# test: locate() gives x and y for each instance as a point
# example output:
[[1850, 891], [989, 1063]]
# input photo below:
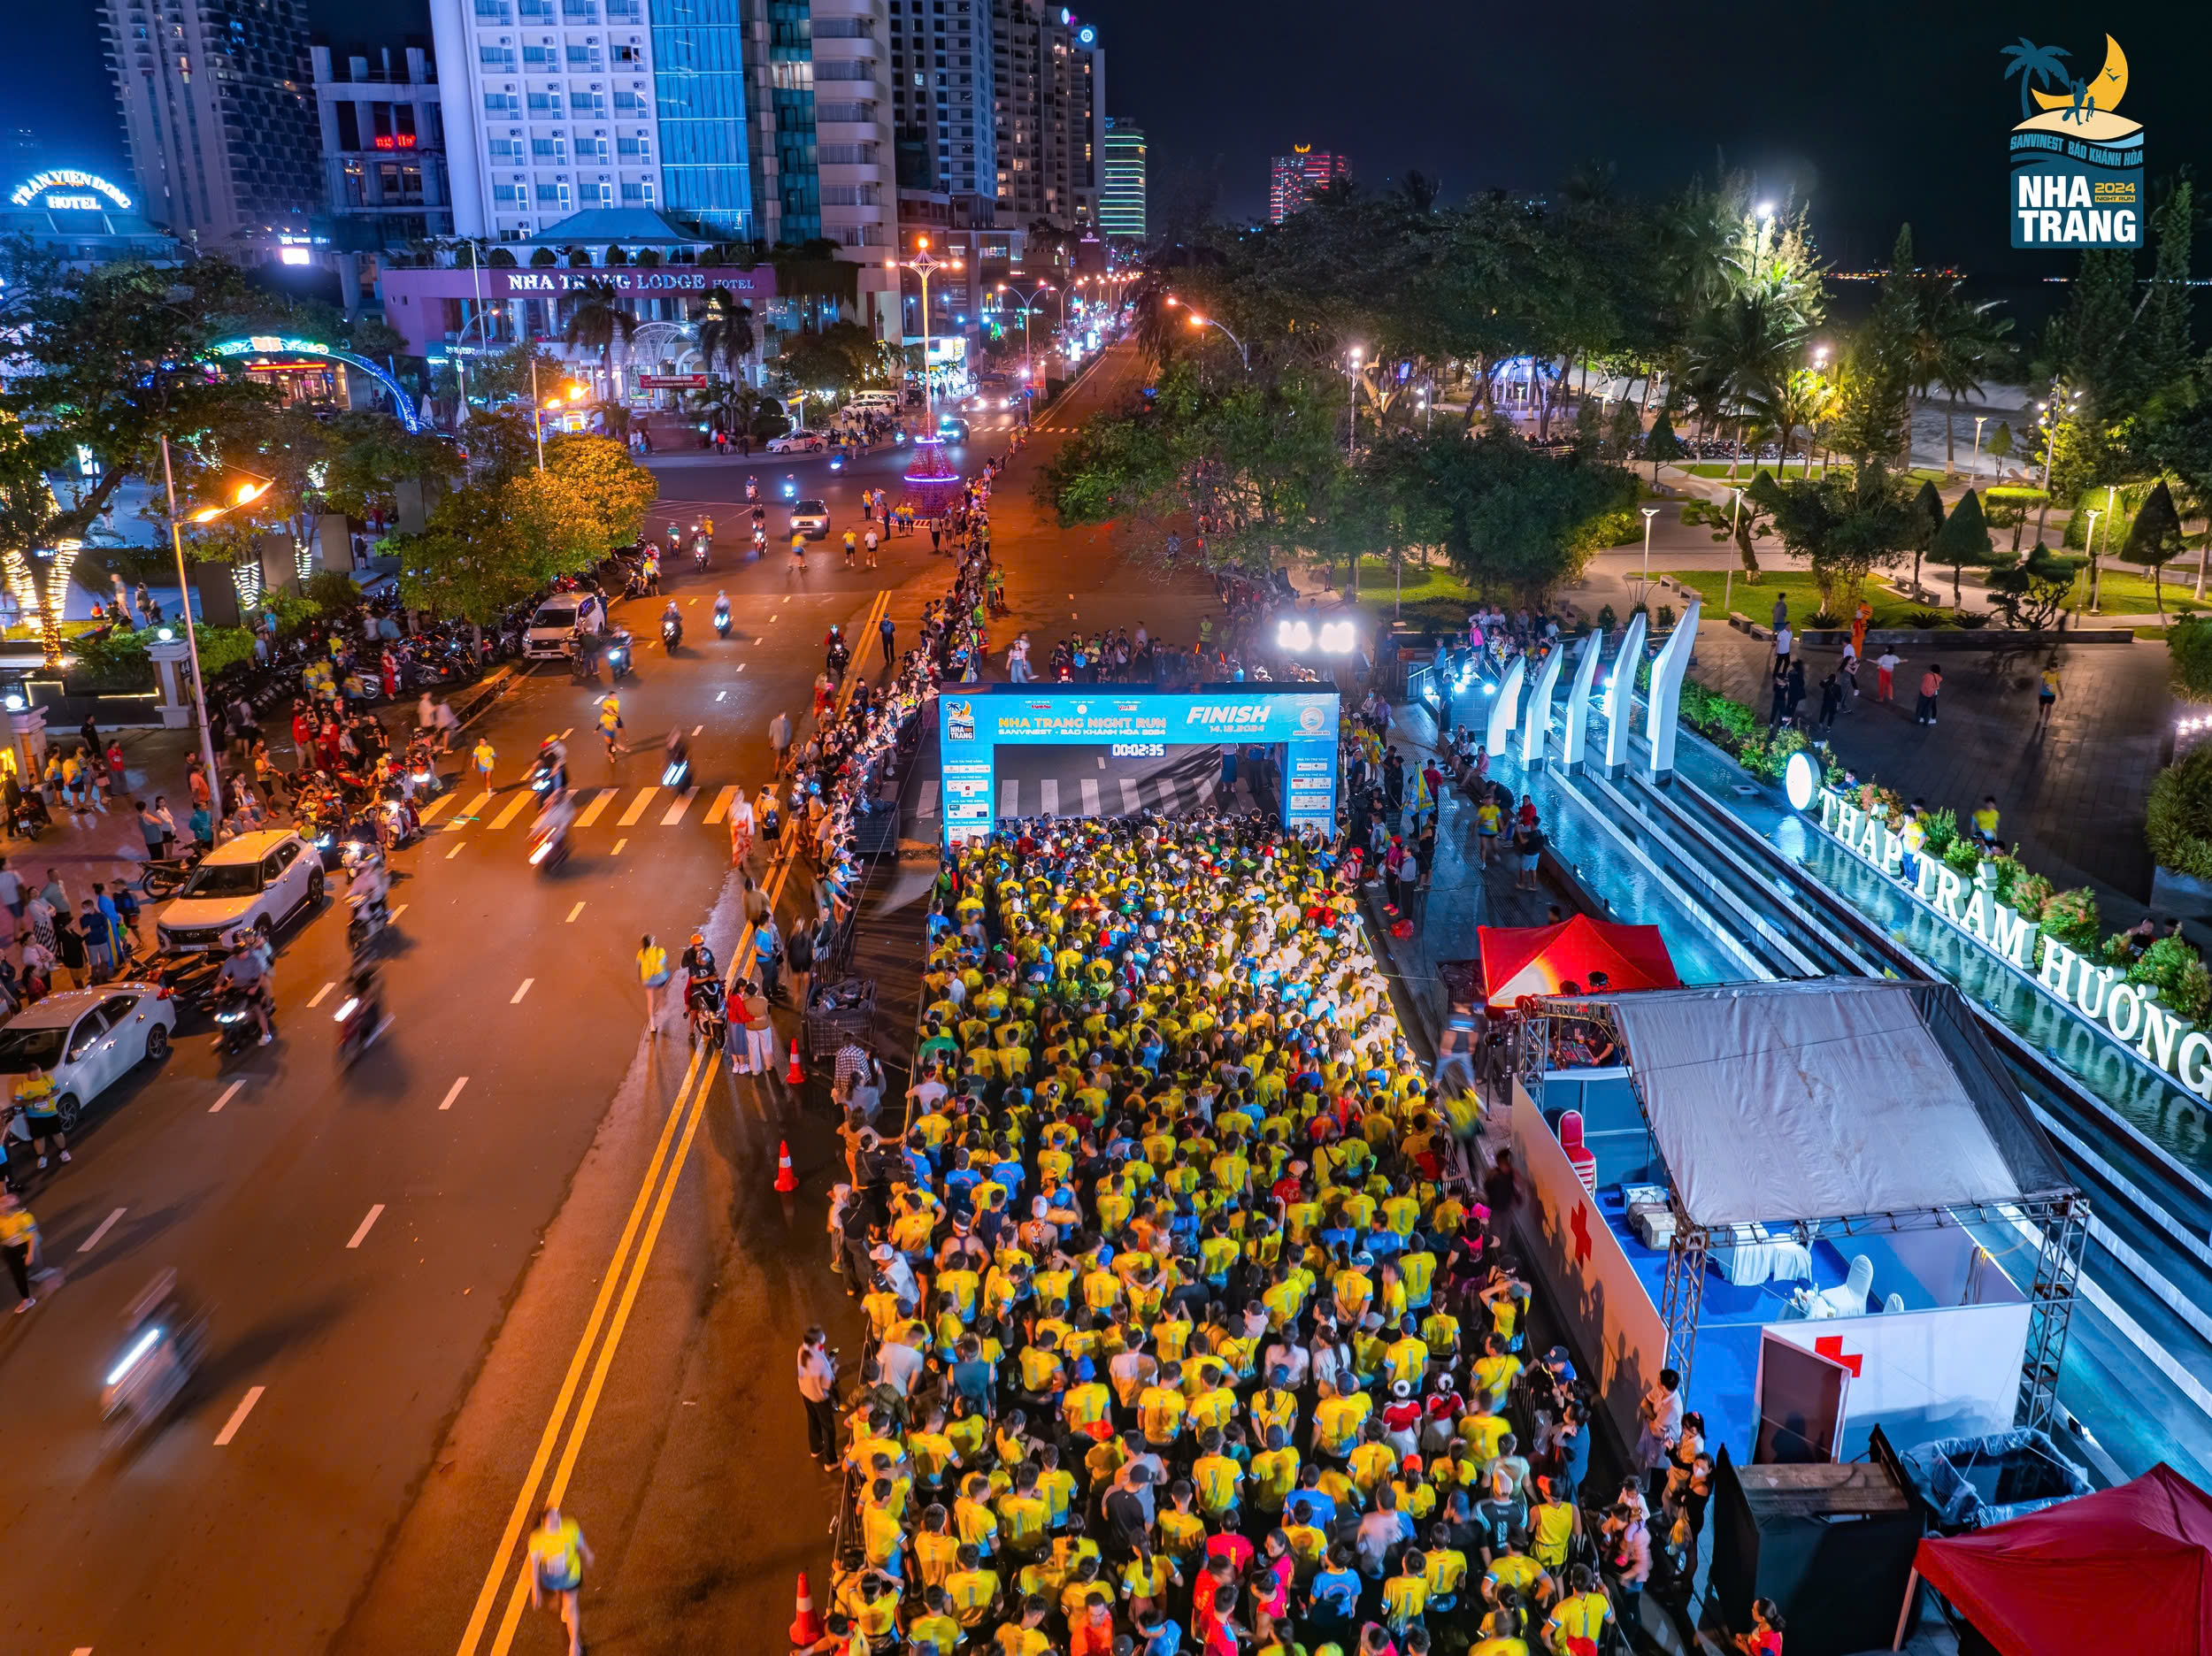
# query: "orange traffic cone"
[[787, 1181], [806, 1626], [795, 1075]]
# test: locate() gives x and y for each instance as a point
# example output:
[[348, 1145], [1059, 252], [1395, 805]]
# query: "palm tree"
[[1955, 343], [725, 330], [1746, 346], [2030, 61], [1800, 398], [598, 320]]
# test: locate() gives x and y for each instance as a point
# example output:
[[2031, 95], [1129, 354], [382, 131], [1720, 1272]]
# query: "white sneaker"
[[42, 1162], [65, 1155], [265, 1039], [24, 1305]]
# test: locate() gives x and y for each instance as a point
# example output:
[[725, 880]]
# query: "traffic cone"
[[795, 1075], [806, 1626], [787, 1181]]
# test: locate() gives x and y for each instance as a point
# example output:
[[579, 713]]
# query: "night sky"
[[1873, 109]]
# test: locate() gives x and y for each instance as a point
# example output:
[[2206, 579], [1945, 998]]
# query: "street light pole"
[[1029, 369], [1975, 466], [184, 596], [1351, 408], [1650, 512], [537, 413]]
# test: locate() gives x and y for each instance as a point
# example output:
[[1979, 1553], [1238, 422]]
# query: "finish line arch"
[[276, 345]]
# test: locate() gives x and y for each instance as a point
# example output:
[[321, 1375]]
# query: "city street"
[[366, 1238]]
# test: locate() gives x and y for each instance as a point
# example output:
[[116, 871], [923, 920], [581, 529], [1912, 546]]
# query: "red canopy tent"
[[1519, 961], [2127, 1570]]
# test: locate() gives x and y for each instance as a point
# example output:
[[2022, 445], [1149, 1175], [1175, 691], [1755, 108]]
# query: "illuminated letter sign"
[[67, 189]]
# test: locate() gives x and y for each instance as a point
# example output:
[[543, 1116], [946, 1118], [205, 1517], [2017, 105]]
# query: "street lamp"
[[1029, 373], [248, 493], [2048, 420], [1351, 406], [1650, 512], [926, 264], [1975, 466], [539, 407], [1198, 321]]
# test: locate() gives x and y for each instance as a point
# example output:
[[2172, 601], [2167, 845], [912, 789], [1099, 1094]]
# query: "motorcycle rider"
[[698, 962], [752, 486], [619, 655], [247, 970], [837, 654], [370, 885], [652, 571], [552, 764], [760, 538], [676, 758], [721, 612], [551, 827], [672, 625]]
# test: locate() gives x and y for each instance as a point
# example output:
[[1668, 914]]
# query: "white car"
[[551, 633], [88, 1039], [798, 442], [810, 518], [258, 880]]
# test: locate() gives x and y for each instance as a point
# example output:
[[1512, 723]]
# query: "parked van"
[[552, 628]]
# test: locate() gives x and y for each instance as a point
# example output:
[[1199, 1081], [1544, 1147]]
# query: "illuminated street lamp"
[[1975, 466], [1028, 305], [539, 410], [1198, 321], [931, 469], [1351, 406], [247, 493], [1651, 512]]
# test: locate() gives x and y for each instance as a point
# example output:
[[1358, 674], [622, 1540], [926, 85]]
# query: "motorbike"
[[837, 660], [365, 929], [165, 876], [671, 633], [790, 486], [760, 542], [722, 622], [545, 776], [162, 1351], [235, 1031], [699, 551], [752, 488], [618, 662], [549, 847], [676, 772], [709, 1018], [360, 1019], [837, 462]]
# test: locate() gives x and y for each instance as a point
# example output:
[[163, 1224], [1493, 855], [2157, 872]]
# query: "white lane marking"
[[1050, 788], [741, 666], [570, 731], [590, 815], [1090, 796], [362, 1230], [81, 1649], [106, 1225], [697, 729], [229, 1093], [513, 807], [438, 808], [573, 913], [637, 807], [453, 1093], [1010, 797], [459, 846], [319, 994], [720, 808], [1129, 803], [516, 999], [617, 847], [475, 807], [238, 1415], [675, 812], [398, 912], [929, 797], [719, 695]]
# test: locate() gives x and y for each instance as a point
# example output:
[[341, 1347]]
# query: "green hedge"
[[119, 665], [2177, 821]]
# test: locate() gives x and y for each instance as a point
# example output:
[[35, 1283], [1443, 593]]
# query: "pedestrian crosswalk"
[[1125, 796], [516, 806]]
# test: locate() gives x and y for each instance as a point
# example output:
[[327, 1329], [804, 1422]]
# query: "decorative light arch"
[[272, 345]]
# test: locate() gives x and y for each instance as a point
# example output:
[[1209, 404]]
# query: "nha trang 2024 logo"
[[2076, 161]]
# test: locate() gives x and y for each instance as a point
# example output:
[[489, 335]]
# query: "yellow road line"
[[690, 1104], [519, 1518]]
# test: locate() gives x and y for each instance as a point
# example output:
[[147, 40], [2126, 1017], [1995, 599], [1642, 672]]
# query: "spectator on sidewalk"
[[1931, 688]]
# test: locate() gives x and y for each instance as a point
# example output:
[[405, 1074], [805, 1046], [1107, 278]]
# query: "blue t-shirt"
[[972, 1380], [1166, 1641], [1339, 1589]]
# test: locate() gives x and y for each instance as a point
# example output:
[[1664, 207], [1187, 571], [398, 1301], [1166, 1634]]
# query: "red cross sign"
[[1831, 1346]]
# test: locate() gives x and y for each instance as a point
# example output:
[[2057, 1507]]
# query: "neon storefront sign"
[[68, 190]]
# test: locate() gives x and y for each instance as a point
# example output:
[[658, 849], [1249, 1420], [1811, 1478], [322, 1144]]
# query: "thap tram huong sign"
[[2121, 1011]]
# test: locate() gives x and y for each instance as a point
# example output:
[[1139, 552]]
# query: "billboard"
[[1114, 749]]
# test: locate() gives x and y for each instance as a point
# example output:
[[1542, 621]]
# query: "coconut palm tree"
[[597, 321], [1801, 398], [1747, 344], [726, 331], [1956, 343], [2030, 61]]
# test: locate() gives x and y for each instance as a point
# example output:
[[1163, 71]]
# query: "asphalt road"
[[407, 1261]]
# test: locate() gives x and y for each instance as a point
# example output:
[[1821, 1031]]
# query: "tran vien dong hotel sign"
[[2127, 1014]]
